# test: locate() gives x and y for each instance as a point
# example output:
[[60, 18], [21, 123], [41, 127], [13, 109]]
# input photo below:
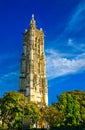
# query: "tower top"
[[32, 22], [33, 16]]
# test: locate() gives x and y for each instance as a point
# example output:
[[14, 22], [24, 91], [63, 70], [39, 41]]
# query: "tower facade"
[[33, 82]]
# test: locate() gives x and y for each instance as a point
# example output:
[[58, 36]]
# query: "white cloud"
[[70, 42], [75, 45], [59, 66], [8, 76], [77, 19]]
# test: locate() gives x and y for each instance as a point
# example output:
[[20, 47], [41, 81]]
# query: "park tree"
[[15, 107], [12, 109], [80, 97], [72, 104], [31, 113], [53, 116]]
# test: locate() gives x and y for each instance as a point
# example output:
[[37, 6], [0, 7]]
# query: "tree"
[[72, 104], [80, 97], [15, 107], [12, 109], [32, 113], [53, 116]]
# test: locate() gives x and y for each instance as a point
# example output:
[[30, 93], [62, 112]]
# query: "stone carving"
[[34, 83]]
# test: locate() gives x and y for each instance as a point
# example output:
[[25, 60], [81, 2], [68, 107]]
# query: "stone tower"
[[33, 82]]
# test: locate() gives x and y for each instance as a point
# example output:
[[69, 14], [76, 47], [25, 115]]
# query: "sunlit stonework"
[[33, 82]]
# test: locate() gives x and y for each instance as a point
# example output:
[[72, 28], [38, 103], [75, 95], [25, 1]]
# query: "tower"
[[33, 82]]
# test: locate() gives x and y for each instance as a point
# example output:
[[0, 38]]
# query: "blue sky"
[[63, 23]]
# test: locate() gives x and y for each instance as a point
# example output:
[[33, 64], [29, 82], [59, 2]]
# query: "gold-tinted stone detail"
[[33, 82]]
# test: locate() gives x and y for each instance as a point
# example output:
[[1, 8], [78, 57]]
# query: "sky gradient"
[[63, 23]]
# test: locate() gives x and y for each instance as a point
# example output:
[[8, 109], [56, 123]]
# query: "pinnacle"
[[33, 22]]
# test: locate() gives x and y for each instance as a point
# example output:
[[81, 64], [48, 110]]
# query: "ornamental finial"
[[33, 22], [33, 16]]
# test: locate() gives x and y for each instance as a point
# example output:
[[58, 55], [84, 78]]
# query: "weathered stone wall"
[[33, 82]]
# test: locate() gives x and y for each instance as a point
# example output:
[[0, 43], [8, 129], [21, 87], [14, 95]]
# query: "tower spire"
[[32, 22], [32, 16]]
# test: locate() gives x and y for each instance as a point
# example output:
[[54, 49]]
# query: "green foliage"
[[12, 109], [68, 112], [53, 116], [31, 111], [71, 104], [15, 107]]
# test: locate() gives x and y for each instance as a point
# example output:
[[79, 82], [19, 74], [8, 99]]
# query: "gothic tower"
[[33, 82]]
